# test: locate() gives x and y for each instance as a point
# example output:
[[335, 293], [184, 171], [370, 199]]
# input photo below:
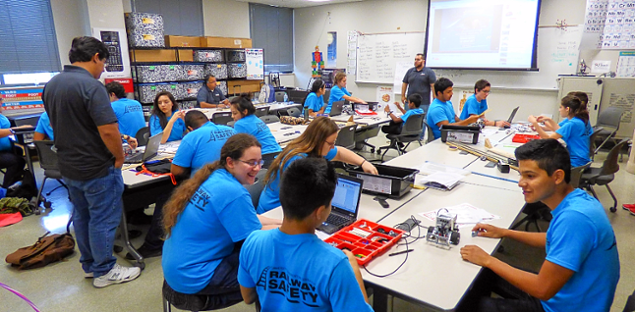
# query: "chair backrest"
[[231, 124], [294, 112], [576, 174], [48, 157], [430, 133], [262, 111], [346, 137], [630, 303], [280, 96], [592, 138], [610, 118], [610, 165], [270, 119], [326, 96], [142, 136], [222, 118], [413, 126], [256, 188]]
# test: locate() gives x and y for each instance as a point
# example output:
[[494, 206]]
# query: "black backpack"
[[27, 189]]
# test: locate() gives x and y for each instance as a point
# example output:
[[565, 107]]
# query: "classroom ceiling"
[[298, 3]]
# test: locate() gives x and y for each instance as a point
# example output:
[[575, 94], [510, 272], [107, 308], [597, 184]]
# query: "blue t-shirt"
[[314, 102], [337, 94], [129, 115], [218, 215], [256, 127], [588, 126], [44, 126], [438, 112], [202, 146], [414, 111], [298, 273], [5, 143], [177, 129], [270, 196], [576, 135], [580, 238], [473, 107]]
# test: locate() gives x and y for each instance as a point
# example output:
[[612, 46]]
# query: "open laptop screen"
[[347, 194]]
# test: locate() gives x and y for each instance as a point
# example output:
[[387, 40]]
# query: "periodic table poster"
[[614, 21]]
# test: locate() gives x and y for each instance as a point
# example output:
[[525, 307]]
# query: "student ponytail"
[[317, 85], [576, 108], [234, 148]]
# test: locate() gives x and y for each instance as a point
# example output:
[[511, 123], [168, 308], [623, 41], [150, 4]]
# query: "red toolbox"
[[365, 239], [524, 138]]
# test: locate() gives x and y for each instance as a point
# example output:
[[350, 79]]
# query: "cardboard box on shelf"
[[183, 41], [224, 42], [243, 86], [159, 55], [186, 55]]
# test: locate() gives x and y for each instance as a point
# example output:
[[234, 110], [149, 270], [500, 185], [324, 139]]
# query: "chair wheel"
[[141, 265], [37, 211], [613, 209], [117, 249], [372, 150], [47, 204]]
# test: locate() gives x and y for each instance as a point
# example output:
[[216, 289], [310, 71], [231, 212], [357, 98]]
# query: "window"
[[272, 30], [27, 37], [180, 17]]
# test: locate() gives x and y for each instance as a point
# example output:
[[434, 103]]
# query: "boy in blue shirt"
[[43, 130], [129, 112], [441, 111], [581, 269], [414, 103], [290, 268], [476, 104]]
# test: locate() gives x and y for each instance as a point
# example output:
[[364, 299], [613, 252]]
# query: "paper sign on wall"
[[600, 67], [255, 64]]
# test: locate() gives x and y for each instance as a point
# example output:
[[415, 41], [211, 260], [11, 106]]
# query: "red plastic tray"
[[365, 248], [524, 138]]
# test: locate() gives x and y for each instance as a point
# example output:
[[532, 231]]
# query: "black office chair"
[[187, 302], [410, 132], [346, 137], [280, 96], [430, 134], [48, 162], [142, 136], [270, 119], [592, 138], [262, 111], [231, 124], [605, 174], [609, 119], [268, 159], [630, 303], [222, 118], [256, 188], [294, 112]]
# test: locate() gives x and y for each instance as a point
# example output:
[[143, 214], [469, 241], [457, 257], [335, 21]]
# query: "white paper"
[[466, 214], [430, 168], [446, 179], [600, 67]]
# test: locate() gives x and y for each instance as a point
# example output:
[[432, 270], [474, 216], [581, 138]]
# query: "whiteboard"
[[377, 55], [558, 53]]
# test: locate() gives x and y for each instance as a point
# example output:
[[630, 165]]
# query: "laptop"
[[345, 204], [511, 117], [336, 109], [152, 148]]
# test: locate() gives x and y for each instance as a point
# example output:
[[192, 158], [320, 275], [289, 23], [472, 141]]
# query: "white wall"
[[226, 18], [71, 20]]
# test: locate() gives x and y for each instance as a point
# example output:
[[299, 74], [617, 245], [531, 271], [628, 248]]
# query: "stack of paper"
[[442, 180], [467, 215], [429, 168]]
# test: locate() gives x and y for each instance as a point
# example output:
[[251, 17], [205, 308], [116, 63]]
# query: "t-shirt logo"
[[220, 135], [132, 109], [295, 289], [200, 199]]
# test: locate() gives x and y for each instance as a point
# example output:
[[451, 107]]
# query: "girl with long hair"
[[575, 132], [167, 118], [339, 92], [246, 122], [318, 140], [314, 101], [206, 221]]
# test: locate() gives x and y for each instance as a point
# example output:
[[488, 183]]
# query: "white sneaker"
[[88, 275], [118, 274]]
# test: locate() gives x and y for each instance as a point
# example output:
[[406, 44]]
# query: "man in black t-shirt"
[[420, 80], [90, 156]]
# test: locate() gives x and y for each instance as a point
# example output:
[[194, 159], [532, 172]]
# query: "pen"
[[400, 252]]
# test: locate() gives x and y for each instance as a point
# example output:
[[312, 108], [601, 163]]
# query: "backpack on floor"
[[47, 249]]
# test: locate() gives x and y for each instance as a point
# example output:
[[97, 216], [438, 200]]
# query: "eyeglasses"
[[253, 163], [486, 91], [330, 144]]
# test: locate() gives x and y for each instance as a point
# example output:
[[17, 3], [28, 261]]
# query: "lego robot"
[[446, 231]]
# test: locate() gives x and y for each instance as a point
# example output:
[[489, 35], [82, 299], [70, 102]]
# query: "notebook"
[[345, 204], [152, 148]]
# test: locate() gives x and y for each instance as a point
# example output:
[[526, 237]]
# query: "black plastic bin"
[[463, 134], [393, 182]]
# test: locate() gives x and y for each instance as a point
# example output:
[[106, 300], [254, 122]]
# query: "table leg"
[[380, 299], [123, 234]]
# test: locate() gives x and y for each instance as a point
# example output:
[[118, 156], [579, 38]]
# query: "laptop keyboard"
[[337, 220], [135, 158]]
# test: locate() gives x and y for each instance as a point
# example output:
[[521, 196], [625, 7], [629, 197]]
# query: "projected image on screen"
[[482, 34], [474, 30]]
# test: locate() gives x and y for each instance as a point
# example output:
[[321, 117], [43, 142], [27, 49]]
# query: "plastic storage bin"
[[217, 70], [237, 70], [190, 89], [463, 134], [236, 56], [193, 72], [222, 85], [393, 182], [145, 30], [208, 56], [378, 240]]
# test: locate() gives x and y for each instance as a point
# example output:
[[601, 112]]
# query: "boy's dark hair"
[[415, 99], [481, 84], [243, 102], [195, 119], [549, 154], [84, 48], [117, 89], [442, 84], [306, 185]]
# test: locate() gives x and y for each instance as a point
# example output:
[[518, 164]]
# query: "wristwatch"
[[123, 137]]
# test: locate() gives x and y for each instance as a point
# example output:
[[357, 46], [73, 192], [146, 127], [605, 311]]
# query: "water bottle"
[[286, 97], [306, 113]]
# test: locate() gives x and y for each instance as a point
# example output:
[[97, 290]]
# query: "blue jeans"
[[98, 206]]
